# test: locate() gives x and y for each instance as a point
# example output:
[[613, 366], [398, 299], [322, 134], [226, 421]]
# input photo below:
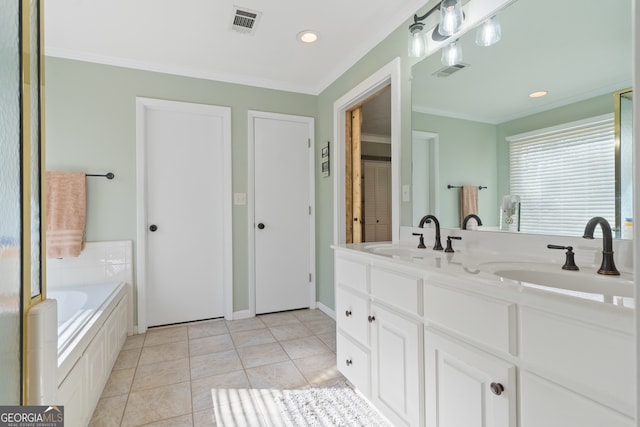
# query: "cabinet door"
[[396, 362], [544, 403], [463, 386]]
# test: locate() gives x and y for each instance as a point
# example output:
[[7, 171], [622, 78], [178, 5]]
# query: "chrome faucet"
[[426, 220], [607, 267], [468, 217]]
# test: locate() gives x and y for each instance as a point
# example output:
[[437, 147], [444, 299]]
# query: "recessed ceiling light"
[[308, 36], [538, 94]]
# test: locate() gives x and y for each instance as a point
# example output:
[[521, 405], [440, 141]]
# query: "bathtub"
[[92, 327], [82, 311]]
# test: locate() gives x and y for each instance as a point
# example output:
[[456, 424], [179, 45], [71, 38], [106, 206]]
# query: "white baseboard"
[[244, 314], [326, 310]]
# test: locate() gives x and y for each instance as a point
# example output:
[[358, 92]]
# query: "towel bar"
[[480, 187], [108, 175]]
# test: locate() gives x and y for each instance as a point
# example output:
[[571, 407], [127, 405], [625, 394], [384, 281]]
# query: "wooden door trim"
[[142, 106], [251, 116]]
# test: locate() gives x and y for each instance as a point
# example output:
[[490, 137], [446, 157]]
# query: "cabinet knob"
[[497, 388], [348, 362], [371, 318], [347, 313]]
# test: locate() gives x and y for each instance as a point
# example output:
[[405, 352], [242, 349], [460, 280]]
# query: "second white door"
[[283, 194]]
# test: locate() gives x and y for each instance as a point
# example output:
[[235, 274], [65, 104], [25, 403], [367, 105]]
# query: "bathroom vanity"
[[444, 339]]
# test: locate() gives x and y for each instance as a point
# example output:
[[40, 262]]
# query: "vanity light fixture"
[[538, 94], [452, 54], [308, 36], [489, 33], [451, 17], [418, 37]]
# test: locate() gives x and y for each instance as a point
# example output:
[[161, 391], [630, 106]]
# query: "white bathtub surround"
[[75, 335], [99, 262], [43, 347]]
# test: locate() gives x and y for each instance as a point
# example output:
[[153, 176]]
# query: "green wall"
[[91, 126], [467, 156]]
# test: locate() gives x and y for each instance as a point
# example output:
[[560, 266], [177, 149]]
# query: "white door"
[[187, 195], [377, 200], [283, 221]]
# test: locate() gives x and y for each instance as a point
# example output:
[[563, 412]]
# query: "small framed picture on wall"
[[325, 160]]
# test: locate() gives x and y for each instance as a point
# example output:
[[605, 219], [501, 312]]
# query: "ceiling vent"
[[448, 70], [245, 20]]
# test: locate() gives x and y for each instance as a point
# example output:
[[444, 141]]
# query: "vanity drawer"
[[353, 362], [398, 289], [351, 273], [596, 361], [352, 311], [483, 319]]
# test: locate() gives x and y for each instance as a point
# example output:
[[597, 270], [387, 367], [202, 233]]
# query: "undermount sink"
[[552, 275], [395, 250]]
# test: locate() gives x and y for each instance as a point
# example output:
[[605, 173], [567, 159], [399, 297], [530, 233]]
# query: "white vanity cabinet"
[[440, 347], [465, 386], [379, 337]]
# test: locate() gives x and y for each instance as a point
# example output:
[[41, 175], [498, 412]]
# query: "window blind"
[[564, 176]]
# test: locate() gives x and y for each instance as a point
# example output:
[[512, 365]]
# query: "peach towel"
[[468, 201], [66, 199]]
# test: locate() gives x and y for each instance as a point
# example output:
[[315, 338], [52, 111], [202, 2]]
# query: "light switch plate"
[[239, 198], [405, 193]]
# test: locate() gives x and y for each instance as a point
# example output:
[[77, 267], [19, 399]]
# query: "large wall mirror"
[[464, 116]]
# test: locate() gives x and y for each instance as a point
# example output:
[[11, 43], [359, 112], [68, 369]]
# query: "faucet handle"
[[449, 248], [421, 244], [569, 263]]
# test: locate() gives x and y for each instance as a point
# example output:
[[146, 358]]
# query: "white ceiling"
[[569, 48], [194, 37]]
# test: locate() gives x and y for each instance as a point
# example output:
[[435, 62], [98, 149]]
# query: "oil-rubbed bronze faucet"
[[607, 267], [468, 217], [426, 220]]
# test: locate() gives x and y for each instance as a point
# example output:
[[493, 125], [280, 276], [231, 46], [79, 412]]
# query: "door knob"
[[153, 227], [261, 226], [497, 388]]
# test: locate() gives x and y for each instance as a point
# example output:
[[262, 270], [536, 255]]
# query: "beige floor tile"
[[277, 319], [207, 328], [329, 339], [128, 359], [166, 335], [119, 382], [252, 337], [303, 347], [164, 352], [277, 375], [290, 331], [318, 369], [146, 406], [214, 364], [210, 344], [321, 326], [182, 421], [204, 418], [133, 341], [237, 407], [108, 412], [161, 374], [245, 324], [310, 315], [262, 354], [201, 388]]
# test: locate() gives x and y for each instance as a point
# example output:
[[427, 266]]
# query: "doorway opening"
[[368, 169], [387, 78]]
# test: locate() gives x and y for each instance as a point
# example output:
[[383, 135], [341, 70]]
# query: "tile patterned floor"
[[165, 377]]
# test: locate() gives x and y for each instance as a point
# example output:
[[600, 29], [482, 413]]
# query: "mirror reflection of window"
[[564, 176]]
